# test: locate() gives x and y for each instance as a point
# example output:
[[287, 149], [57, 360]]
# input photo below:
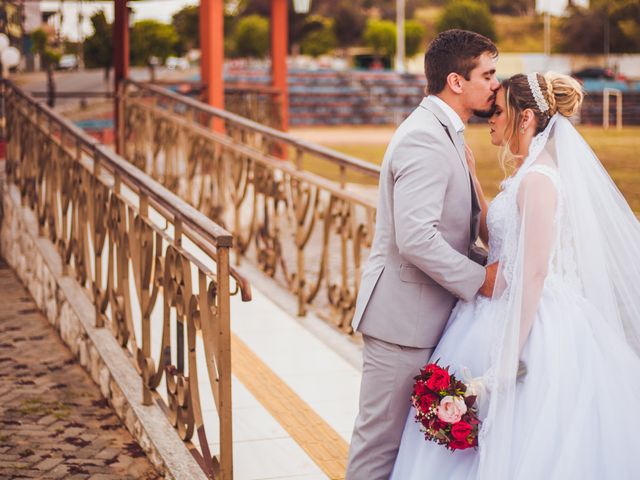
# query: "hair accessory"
[[532, 78]]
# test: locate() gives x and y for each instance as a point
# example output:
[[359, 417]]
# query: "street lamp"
[[301, 6], [9, 56]]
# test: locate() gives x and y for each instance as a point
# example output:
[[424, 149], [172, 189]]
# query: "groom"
[[423, 256]]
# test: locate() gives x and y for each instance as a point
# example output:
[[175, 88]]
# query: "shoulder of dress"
[[546, 170]]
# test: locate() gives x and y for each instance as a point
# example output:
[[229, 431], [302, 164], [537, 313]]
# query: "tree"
[[468, 15], [319, 40], [98, 47], [381, 36], [42, 44], [413, 37], [186, 23], [348, 24], [622, 17], [511, 7], [252, 36], [150, 38]]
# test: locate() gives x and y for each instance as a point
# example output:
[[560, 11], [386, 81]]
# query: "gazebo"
[[212, 50]]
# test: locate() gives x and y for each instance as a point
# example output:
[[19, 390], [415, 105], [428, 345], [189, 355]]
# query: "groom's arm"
[[421, 174]]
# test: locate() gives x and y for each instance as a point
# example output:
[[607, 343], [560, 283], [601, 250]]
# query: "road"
[[91, 80]]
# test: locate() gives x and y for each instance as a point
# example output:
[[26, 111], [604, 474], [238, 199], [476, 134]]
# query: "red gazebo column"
[[121, 66], [212, 54], [204, 44], [279, 40]]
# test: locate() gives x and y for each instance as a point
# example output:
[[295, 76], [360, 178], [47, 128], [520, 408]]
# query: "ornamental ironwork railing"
[[310, 232], [156, 269]]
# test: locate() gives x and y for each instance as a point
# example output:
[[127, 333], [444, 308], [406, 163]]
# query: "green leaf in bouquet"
[[441, 435]]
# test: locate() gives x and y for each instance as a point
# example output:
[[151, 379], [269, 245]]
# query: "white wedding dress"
[[576, 412]]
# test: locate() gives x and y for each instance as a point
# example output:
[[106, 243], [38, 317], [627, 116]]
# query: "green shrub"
[[320, 40], [413, 37], [468, 15], [381, 36], [251, 37]]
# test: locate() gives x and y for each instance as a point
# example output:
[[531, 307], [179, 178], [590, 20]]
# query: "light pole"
[[400, 36], [547, 34]]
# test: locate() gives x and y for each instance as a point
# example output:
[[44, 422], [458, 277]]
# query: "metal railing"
[[308, 232], [257, 102], [156, 269]]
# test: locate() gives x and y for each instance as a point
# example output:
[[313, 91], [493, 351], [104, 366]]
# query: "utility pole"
[[400, 36], [547, 34]]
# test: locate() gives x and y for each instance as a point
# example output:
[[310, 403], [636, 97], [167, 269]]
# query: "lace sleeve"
[[537, 202]]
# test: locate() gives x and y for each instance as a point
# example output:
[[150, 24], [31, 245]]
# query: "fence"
[[156, 269], [307, 232]]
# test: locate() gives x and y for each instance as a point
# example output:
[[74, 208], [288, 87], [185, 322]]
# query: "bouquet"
[[446, 408]]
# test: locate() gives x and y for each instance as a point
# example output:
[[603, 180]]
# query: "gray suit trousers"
[[387, 382]]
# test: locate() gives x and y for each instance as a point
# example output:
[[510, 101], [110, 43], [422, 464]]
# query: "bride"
[[567, 305]]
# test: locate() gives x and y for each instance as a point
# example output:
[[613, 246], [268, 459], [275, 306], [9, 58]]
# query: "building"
[[558, 7]]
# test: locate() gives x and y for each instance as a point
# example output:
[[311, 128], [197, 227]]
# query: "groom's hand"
[[489, 280]]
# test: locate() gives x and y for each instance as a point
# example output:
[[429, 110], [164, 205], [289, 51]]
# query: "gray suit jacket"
[[426, 225]]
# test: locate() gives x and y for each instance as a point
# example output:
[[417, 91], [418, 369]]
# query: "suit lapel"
[[443, 118], [448, 127]]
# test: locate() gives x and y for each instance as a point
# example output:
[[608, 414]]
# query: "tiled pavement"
[[53, 420]]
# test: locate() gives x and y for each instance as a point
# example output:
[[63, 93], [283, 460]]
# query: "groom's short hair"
[[454, 51]]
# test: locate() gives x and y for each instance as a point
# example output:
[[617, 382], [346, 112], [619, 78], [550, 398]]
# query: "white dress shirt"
[[456, 121]]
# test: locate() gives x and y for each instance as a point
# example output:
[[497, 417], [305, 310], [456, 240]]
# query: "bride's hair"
[[562, 93]]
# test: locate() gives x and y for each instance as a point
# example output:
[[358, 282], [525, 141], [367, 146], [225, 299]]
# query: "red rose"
[[459, 445], [427, 400], [461, 430], [420, 388], [439, 380], [431, 367]]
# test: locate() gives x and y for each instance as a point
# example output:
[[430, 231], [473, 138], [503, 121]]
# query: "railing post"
[[3, 120], [120, 126], [144, 317], [224, 343]]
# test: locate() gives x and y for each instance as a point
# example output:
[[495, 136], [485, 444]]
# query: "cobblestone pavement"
[[53, 421]]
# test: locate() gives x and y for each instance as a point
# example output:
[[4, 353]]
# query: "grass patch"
[[618, 151], [36, 406]]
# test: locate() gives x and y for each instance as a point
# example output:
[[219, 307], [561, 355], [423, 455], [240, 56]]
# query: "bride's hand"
[[471, 160]]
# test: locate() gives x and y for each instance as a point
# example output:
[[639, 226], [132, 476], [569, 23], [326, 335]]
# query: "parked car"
[[597, 73], [68, 62], [176, 63]]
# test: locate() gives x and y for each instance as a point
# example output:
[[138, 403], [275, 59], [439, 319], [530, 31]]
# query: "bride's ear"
[[527, 119]]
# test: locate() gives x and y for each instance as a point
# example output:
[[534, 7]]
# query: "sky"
[[161, 10]]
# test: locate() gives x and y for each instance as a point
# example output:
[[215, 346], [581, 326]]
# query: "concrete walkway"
[[53, 421]]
